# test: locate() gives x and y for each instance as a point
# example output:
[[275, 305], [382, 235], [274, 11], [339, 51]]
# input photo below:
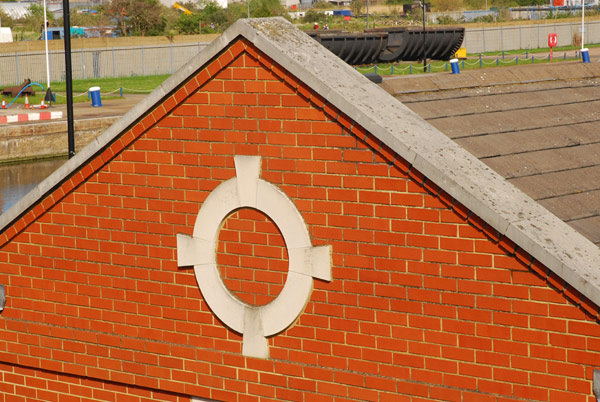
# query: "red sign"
[[552, 40], [558, 3]]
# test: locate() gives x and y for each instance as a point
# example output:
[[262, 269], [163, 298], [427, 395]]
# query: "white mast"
[[46, 40], [582, 25]]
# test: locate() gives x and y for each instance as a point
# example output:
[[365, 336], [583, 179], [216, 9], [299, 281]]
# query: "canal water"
[[18, 179]]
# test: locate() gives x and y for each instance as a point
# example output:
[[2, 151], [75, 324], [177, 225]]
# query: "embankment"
[[47, 140]]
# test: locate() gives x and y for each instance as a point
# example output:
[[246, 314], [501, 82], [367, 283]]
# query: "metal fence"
[[520, 13], [166, 59], [502, 38], [97, 63], [459, 16]]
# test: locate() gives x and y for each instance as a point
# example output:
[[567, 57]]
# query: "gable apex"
[[442, 161]]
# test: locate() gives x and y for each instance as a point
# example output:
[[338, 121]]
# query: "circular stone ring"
[[255, 323]]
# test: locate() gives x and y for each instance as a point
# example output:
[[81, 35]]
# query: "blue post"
[[565, 56], [517, 60], [497, 61], [410, 68], [94, 93], [429, 68], [454, 64], [463, 63], [392, 69], [503, 55], [526, 54], [121, 91], [532, 59], [480, 62], [585, 55], [375, 69]]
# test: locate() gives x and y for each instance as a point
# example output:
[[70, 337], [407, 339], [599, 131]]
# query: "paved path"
[[84, 110]]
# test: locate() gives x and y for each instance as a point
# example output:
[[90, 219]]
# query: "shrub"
[[312, 16]]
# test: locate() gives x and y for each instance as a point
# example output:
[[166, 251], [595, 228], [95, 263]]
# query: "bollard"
[[375, 69], [94, 93], [497, 62], [532, 59], [454, 65], [503, 55], [446, 67], [585, 55], [392, 69], [429, 68], [526, 54], [565, 56], [121, 91], [517, 60], [463, 64], [410, 69], [480, 63]]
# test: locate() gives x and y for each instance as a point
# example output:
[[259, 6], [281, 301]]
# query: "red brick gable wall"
[[252, 257], [426, 302]]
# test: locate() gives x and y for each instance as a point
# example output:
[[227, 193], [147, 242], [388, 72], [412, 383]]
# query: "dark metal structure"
[[353, 48], [69, 79], [394, 44], [24, 88]]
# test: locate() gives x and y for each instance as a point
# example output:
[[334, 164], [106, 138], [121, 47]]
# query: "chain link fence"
[[166, 59], [97, 63], [498, 39]]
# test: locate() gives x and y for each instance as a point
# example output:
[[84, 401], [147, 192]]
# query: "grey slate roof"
[[542, 136], [450, 166]]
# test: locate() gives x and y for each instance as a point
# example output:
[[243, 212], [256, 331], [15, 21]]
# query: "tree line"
[[149, 17]]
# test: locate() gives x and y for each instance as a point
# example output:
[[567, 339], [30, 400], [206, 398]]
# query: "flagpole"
[[46, 40], [582, 24]]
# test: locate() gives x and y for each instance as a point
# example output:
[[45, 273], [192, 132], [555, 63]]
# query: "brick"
[[419, 293]]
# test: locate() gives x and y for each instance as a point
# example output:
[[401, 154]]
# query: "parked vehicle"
[[81, 32]]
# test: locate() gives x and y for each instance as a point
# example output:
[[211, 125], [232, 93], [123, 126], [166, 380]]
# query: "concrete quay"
[[22, 137]]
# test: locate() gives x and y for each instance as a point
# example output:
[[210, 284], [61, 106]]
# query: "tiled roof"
[[542, 136]]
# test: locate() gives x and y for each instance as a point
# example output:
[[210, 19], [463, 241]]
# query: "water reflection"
[[18, 179]]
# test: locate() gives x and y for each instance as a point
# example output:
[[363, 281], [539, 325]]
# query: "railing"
[[479, 62]]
